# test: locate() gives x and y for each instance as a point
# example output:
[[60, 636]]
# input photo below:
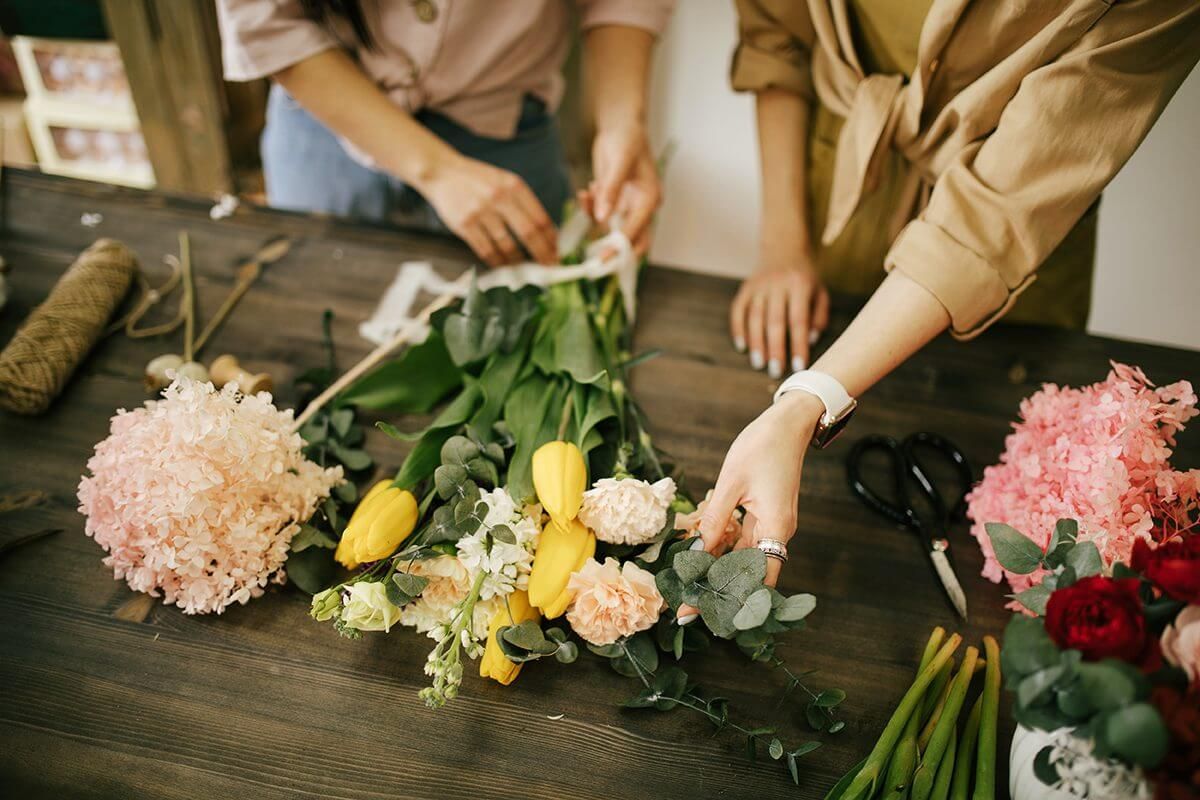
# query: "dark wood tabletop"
[[104, 695]]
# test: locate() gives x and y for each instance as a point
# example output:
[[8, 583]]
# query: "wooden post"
[[172, 58]]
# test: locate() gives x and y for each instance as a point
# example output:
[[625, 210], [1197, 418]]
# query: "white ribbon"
[[610, 255]]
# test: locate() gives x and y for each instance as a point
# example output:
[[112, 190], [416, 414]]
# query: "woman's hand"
[[490, 209], [761, 474], [625, 183], [780, 310]]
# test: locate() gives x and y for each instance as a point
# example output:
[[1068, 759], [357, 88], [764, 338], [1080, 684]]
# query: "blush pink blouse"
[[471, 60]]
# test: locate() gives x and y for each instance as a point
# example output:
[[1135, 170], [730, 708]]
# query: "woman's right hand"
[[490, 209], [780, 310]]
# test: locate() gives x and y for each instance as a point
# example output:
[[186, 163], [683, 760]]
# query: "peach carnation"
[[196, 497], [612, 600], [690, 523]]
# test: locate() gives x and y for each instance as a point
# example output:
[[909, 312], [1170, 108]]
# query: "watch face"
[[827, 432]]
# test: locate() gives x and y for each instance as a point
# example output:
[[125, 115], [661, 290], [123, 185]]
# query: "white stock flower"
[[627, 511], [1084, 775], [505, 565]]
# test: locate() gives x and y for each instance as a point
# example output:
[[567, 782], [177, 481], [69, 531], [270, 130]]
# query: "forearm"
[[617, 68], [783, 119], [331, 87], [899, 319]]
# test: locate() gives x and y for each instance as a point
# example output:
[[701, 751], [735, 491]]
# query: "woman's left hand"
[[761, 474], [625, 183]]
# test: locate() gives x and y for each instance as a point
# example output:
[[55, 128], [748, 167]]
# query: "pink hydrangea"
[[1100, 455], [196, 496]]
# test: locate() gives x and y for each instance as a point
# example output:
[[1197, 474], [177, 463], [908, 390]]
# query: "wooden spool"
[[226, 369]]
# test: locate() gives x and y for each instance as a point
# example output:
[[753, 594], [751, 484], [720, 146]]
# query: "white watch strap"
[[828, 390]]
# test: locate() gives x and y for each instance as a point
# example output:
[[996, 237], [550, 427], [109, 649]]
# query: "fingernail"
[[687, 619], [756, 359], [774, 368], [739, 344], [798, 364], [698, 544], [813, 335]]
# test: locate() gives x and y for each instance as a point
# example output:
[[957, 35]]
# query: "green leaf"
[[447, 479], [341, 419], [775, 749], [838, 792], [410, 585], [426, 455], [1034, 688], [346, 492], [1034, 598], [354, 460], [496, 381], [670, 587], [830, 698], [527, 635], [575, 349], [1065, 530], [308, 536], [796, 608], [718, 611], [1084, 558], [411, 384], [754, 611], [474, 331], [311, 569], [1015, 551], [503, 533], [738, 573], [793, 768], [1027, 647], [816, 717], [1106, 685], [1137, 733], [567, 652], [692, 565], [669, 684], [532, 411], [607, 650]]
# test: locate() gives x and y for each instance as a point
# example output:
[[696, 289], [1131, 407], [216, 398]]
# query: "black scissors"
[[906, 464]]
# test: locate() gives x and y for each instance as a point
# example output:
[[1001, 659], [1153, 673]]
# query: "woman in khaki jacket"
[[945, 155]]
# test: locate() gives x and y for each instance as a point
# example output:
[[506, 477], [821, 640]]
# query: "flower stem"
[[985, 767]]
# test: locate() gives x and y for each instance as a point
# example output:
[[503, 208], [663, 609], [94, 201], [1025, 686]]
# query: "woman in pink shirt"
[[440, 112]]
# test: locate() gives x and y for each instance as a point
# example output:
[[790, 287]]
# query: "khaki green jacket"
[[1015, 118]]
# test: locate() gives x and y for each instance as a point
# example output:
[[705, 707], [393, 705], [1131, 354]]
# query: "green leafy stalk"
[[945, 771], [965, 758], [943, 734], [985, 766], [904, 760], [863, 785]]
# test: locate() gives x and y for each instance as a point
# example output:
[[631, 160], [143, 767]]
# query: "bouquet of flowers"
[[534, 511], [1110, 663], [1099, 455]]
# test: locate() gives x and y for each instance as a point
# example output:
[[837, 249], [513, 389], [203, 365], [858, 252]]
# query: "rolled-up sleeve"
[[774, 48], [262, 37], [1007, 201], [650, 15]]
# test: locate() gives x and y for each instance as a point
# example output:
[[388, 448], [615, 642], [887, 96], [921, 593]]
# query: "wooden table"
[[104, 697]]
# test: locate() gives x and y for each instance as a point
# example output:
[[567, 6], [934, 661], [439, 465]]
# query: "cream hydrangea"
[[627, 511]]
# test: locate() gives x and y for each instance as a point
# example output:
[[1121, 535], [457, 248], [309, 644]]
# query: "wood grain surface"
[[104, 695]]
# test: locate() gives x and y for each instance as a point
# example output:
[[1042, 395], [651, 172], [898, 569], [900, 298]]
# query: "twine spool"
[[60, 332]]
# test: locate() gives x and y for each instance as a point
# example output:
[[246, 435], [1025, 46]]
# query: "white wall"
[[1148, 265]]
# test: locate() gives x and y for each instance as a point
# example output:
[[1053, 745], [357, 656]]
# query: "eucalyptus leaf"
[[352, 459], [692, 565], [1015, 551], [308, 536], [527, 635], [411, 585], [739, 573], [754, 610], [503, 533], [830, 698], [796, 608], [311, 569], [775, 749], [670, 587], [1034, 598], [1084, 558], [567, 652], [1137, 733], [426, 455]]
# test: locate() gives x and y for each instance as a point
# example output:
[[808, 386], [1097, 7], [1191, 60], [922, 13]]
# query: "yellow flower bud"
[[371, 506], [494, 664], [559, 478], [560, 552], [388, 529]]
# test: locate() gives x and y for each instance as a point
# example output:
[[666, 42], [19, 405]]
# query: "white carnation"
[[627, 511]]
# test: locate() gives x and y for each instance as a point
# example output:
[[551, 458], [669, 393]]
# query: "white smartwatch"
[[839, 405]]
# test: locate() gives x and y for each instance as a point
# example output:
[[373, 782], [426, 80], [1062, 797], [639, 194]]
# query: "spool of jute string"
[[59, 333]]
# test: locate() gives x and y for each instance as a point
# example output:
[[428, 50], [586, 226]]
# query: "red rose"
[[1178, 776], [1173, 566], [1100, 617]]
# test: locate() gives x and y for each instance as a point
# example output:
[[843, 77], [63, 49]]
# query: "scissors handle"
[[948, 451], [900, 511]]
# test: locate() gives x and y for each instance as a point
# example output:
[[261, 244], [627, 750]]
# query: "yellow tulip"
[[388, 529], [369, 509], [494, 664], [559, 478], [560, 552]]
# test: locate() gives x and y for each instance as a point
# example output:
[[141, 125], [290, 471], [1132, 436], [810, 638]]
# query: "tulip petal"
[[494, 664], [560, 478], [389, 528], [558, 552]]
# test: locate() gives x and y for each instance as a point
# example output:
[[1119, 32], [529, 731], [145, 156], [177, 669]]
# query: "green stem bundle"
[[985, 767]]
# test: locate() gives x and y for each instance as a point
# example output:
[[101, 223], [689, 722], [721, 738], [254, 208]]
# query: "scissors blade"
[[949, 580]]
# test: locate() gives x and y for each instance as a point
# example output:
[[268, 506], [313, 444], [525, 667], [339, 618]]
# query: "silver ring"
[[773, 548]]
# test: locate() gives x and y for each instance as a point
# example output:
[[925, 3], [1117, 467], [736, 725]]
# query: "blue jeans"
[[306, 169]]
